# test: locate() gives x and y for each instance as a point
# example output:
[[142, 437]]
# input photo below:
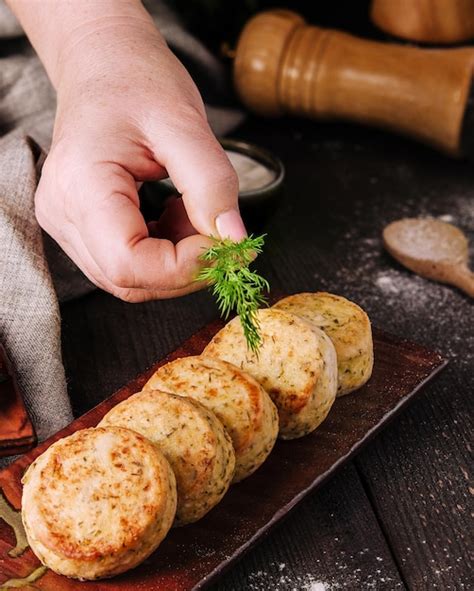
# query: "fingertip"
[[229, 224]]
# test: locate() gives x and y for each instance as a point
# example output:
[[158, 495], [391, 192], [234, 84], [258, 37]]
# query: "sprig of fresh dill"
[[234, 285]]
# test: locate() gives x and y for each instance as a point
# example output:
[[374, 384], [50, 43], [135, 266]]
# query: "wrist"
[[117, 49], [76, 39]]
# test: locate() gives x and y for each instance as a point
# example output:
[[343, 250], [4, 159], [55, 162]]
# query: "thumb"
[[207, 181]]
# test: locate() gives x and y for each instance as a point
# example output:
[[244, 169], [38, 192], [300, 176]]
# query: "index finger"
[[116, 236]]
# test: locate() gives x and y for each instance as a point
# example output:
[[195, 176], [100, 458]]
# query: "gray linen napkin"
[[33, 272]]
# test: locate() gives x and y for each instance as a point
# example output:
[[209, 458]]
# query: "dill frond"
[[234, 285]]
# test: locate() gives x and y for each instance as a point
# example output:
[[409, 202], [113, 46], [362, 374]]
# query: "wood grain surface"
[[194, 556]]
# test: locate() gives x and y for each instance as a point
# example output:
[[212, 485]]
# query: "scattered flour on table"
[[261, 581], [411, 288], [277, 577], [317, 586], [447, 217]]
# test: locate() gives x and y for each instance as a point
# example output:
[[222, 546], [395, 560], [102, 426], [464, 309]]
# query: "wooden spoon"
[[433, 249]]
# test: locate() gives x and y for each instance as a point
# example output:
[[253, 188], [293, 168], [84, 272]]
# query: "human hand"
[[129, 112]]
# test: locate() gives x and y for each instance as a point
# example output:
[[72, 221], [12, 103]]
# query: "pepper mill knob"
[[284, 66]]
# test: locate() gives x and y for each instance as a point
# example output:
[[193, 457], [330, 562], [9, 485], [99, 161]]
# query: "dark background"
[[217, 21]]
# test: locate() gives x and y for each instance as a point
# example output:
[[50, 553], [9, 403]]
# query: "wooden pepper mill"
[[282, 65], [426, 21]]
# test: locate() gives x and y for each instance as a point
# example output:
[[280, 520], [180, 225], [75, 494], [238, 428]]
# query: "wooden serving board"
[[193, 556]]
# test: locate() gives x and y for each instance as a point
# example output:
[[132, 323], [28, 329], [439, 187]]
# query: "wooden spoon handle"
[[463, 278]]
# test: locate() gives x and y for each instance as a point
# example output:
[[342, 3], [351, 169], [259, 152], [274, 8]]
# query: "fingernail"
[[230, 225]]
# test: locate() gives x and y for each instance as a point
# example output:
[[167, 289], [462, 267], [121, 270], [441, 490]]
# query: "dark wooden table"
[[398, 517]]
